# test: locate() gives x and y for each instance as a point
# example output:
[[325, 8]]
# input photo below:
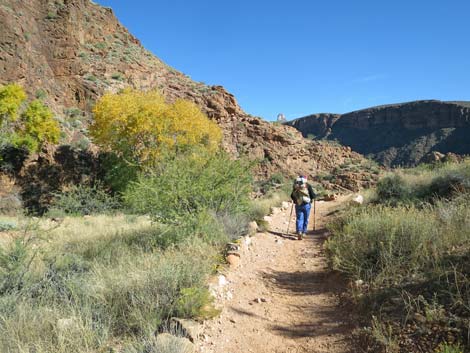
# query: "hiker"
[[302, 196]]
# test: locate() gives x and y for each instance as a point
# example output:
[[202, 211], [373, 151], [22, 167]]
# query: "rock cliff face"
[[397, 134], [70, 52]]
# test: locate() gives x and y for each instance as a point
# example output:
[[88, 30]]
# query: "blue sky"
[[308, 56]]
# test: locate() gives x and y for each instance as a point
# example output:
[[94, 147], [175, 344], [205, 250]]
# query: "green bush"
[[14, 264], [195, 302], [116, 172], [85, 200], [385, 245], [392, 188], [187, 185], [7, 225], [423, 184], [450, 348]]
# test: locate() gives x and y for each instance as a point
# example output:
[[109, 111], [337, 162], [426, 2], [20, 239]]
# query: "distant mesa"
[[396, 134]]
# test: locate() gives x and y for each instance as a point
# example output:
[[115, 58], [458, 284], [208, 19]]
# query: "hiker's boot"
[[299, 235]]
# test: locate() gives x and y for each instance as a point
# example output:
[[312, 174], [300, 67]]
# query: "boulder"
[[222, 280], [233, 247], [267, 219], [433, 157], [248, 241], [285, 205], [330, 197], [189, 329], [233, 260], [359, 200], [451, 158], [252, 227]]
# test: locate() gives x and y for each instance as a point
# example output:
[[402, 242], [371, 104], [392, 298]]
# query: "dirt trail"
[[281, 298]]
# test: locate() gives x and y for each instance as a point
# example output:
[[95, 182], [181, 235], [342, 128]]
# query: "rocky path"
[[281, 297]]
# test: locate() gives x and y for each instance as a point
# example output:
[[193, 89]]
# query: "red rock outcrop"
[[70, 52]]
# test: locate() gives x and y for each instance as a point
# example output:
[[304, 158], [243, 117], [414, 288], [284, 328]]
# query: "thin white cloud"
[[370, 78]]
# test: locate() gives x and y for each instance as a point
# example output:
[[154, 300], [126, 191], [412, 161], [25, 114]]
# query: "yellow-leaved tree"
[[22, 125], [141, 126], [11, 98]]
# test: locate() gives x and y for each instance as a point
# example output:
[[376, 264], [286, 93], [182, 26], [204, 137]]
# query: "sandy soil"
[[281, 298]]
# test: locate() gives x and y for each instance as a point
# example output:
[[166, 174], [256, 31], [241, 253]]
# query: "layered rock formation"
[[397, 134], [70, 52]]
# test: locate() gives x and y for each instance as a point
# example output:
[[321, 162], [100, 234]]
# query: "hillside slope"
[[396, 134], [70, 52]]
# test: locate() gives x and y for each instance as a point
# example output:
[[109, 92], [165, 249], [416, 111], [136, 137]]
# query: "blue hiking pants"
[[302, 213]]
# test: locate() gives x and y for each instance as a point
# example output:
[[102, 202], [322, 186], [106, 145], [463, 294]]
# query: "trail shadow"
[[319, 234], [283, 235], [306, 283], [315, 293], [245, 313]]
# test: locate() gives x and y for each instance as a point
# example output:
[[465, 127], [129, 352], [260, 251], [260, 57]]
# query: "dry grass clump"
[[407, 254], [96, 282]]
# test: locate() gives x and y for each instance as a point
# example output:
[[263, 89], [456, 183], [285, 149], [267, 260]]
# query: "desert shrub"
[[85, 200], [261, 207], [424, 184], [116, 172], [392, 188], [275, 181], [189, 184], [193, 303], [383, 245], [15, 260], [7, 225], [449, 348], [154, 345], [78, 298], [140, 295], [117, 76], [415, 257]]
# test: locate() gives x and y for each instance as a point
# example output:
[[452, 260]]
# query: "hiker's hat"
[[301, 180]]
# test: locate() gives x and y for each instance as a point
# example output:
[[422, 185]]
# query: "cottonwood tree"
[[141, 127]]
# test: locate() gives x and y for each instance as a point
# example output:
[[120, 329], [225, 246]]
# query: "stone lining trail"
[[281, 297]]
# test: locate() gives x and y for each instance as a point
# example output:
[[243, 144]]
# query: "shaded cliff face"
[[70, 52], [397, 134]]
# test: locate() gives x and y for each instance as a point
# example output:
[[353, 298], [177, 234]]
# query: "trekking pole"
[[314, 213], [290, 217]]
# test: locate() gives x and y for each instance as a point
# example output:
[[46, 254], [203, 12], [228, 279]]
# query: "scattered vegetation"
[[82, 200], [113, 260], [95, 280], [407, 252], [7, 225]]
